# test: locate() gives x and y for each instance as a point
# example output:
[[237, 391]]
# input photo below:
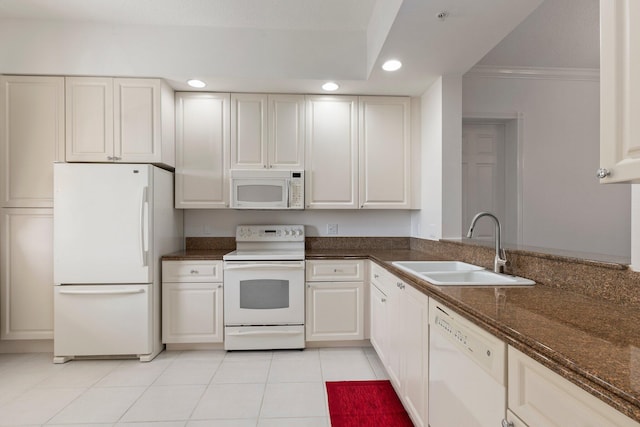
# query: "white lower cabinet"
[[538, 397], [400, 335], [335, 300], [26, 273], [192, 302]]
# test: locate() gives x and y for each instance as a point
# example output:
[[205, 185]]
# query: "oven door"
[[263, 293]]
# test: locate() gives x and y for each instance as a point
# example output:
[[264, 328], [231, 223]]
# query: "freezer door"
[[102, 320], [102, 223]]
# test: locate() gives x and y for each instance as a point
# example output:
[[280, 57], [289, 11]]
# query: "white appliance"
[[111, 224], [467, 372], [264, 294], [267, 189]]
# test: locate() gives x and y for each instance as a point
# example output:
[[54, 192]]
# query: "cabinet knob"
[[375, 276], [383, 300], [506, 423], [219, 286], [603, 173]]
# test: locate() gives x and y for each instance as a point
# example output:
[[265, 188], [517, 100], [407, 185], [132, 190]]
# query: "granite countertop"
[[592, 342]]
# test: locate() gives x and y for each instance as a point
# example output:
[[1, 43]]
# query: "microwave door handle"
[[286, 191]]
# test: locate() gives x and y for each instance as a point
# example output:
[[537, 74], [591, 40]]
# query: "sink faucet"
[[500, 260]]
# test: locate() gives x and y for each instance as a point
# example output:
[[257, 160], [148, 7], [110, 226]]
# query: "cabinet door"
[[331, 152], [192, 312], [620, 90], [379, 322], [542, 398], [249, 131], [396, 330], [32, 138], [335, 311], [286, 131], [202, 150], [137, 120], [26, 274], [384, 141], [89, 119], [415, 349]]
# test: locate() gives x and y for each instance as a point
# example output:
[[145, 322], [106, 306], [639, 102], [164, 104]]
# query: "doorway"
[[491, 176]]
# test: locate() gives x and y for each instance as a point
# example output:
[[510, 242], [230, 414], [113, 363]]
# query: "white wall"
[[441, 174], [564, 206], [360, 223]]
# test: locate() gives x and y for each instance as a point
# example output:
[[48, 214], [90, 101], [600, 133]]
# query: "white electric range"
[[264, 295]]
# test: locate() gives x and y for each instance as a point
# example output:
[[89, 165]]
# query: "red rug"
[[365, 403]]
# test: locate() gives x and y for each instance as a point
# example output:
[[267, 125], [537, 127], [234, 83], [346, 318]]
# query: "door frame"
[[513, 126]]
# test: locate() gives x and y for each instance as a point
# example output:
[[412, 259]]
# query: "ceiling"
[[261, 45], [559, 33]]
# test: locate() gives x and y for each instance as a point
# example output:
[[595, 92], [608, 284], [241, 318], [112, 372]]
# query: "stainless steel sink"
[[457, 273]]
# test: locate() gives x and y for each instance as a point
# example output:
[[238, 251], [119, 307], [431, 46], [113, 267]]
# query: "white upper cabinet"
[[32, 138], [119, 120], [385, 152], [332, 152], [267, 131], [358, 152], [202, 150], [619, 91]]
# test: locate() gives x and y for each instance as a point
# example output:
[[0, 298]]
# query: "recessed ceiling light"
[[330, 86], [196, 83], [392, 65]]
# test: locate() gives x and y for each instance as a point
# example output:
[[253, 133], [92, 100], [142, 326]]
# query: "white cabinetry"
[[119, 120], [26, 273], [335, 300], [32, 138], [202, 150], [539, 397], [620, 90], [267, 131], [332, 152], [399, 334], [385, 152], [192, 295], [358, 152]]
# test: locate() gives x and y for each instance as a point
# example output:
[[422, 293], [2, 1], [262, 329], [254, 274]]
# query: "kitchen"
[[431, 223]]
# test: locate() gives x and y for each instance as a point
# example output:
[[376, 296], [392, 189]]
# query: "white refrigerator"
[[111, 225]]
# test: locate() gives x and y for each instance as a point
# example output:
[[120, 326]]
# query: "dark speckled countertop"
[[594, 343]]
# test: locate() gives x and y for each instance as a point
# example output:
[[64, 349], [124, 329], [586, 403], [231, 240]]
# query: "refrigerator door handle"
[[144, 226]]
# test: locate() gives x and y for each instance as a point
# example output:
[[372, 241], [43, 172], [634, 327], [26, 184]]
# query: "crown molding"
[[538, 73]]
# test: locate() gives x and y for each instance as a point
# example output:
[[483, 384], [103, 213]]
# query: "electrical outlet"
[[332, 229]]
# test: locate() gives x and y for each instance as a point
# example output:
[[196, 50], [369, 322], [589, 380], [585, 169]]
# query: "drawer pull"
[[195, 272]]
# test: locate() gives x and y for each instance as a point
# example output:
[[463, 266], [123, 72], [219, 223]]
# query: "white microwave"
[[267, 189]]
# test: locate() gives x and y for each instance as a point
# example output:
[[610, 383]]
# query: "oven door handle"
[[276, 332], [264, 266]]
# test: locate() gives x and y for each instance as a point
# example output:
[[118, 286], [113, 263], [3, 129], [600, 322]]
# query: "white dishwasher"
[[467, 372]]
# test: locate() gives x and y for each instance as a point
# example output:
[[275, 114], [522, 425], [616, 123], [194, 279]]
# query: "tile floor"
[[180, 388]]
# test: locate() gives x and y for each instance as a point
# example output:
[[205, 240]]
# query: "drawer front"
[[338, 270], [192, 271], [542, 398]]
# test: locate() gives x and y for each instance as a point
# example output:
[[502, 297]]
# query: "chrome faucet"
[[500, 260]]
